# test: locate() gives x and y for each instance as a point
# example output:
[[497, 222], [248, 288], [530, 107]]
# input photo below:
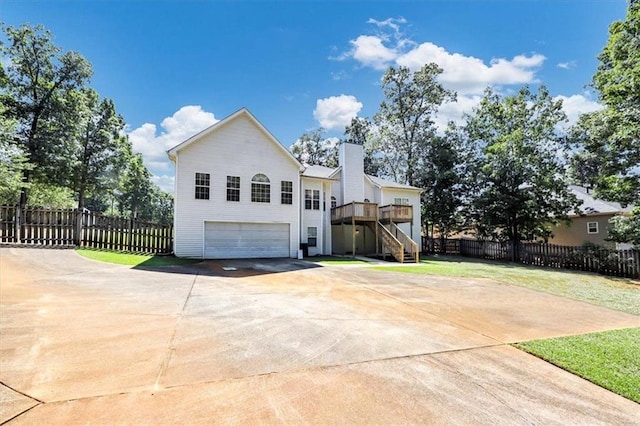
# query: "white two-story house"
[[239, 193]]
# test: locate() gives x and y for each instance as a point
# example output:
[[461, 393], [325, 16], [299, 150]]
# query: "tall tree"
[[612, 136], [35, 86], [135, 189], [521, 186], [314, 149], [443, 177], [405, 118], [97, 133]]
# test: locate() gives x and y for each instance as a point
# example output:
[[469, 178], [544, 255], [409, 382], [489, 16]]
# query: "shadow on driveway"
[[233, 268]]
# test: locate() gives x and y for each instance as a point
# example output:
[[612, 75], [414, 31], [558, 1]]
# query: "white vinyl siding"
[[237, 148]]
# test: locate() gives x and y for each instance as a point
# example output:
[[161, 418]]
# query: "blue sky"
[[175, 67]]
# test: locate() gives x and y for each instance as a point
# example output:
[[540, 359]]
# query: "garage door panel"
[[246, 240]]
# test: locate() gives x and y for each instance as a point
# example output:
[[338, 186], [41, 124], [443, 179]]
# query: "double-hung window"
[[312, 199], [592, 227], [312, 236], [202, 186], [233, 188], [286, 192], [401, 201]]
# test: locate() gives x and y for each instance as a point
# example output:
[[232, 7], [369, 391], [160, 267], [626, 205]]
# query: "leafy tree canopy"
[[610, 139], [35, 85], [520, 186], [405, 118], [314, 149]]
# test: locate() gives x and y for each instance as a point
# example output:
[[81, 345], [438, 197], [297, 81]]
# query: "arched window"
[[334, 203], [260, 189]]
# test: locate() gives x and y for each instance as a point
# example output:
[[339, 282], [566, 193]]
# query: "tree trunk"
[[24, 194]]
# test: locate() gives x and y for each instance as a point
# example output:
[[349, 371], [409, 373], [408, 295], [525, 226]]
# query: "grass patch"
[[615, 293], [609, 359], [335, 260], [131, 259]]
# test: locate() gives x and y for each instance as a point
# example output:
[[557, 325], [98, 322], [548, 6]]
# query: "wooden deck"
[[354, 212], [395, 213], [358, 212]]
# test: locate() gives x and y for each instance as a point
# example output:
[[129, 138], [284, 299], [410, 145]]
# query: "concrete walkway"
[[283, 342]]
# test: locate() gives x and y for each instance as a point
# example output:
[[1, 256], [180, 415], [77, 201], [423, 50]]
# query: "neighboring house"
[[240, 194], [592, 226]]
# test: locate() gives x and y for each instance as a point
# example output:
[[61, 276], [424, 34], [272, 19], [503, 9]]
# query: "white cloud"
[[465, 74], [184, 123], [393, 23], [576, 105], [469, 75], [336, 112], [567, 65], [370, 51], [164, 182]]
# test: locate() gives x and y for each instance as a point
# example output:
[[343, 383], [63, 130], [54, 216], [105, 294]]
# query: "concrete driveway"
[[283, 342]]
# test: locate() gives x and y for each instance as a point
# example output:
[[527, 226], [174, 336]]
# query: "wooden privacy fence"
[[620, 263], [72, 227]]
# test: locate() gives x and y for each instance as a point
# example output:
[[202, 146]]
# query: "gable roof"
[[242, 112], [320, 172], [382, 183], [592, 205]]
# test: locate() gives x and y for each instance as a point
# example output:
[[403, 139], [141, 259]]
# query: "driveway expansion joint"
[[171, 347]]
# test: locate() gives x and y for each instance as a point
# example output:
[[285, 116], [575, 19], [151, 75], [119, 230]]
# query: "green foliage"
[[519, 178], [626, 229], [35, 88], [405, 118], [43, 194], [618, 75], [443, 179], [608, 359], [313, 149], [97, 131], [610, 138], [60, 141], [13, 161]]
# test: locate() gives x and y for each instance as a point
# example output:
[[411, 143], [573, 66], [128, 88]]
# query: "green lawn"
[[610, 359], [133, 259], [615, 293], [335, 260]]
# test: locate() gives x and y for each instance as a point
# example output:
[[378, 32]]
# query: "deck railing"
[[355, 211], [396, 213]]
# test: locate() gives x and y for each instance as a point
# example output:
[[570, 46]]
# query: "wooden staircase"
[[396, 242]]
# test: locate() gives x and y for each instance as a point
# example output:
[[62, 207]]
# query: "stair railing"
[[408, 244]]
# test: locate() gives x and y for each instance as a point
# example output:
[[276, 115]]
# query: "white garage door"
[[224, 240]]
